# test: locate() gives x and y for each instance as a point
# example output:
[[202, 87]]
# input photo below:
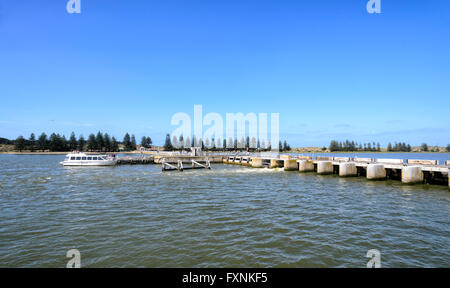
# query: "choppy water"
[[230, 216]]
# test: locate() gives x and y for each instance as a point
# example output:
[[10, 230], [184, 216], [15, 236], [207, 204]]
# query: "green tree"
[[448, 148], [334, 146], [64, 143], [389, 147], [127, 142], [168, 144], [19, 144], [133, 142], [81, 143], [181, 142], [107, 142], [100, 141], [424, 147], [285, 146], [144, 142], [54, 142], [114, 144], [32, 142], [42, 142], [91, 142], [72, 142], [280, 146]]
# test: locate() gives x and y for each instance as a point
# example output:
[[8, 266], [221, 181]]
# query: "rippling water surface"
[[231, 216]]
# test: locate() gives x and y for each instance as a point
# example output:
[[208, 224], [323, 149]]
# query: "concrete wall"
[[422, 162], [390, 161], [324, 158], [341, 159], [363, 160], [304, 157]]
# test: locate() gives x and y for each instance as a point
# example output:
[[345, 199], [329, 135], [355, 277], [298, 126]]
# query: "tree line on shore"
[[251, 145], [105, 143], [58, 143], [352, 146]]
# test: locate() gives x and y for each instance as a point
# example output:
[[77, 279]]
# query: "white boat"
[[82, 159]]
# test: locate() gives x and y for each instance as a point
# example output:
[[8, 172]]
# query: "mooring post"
[[180, 165]]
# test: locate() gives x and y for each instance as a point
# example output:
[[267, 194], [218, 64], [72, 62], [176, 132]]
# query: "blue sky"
[[332, 70]]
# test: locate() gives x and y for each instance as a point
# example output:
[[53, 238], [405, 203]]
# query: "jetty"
[[410, 171]]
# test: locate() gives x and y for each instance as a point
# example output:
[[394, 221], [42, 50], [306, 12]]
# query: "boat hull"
[[89, 163]]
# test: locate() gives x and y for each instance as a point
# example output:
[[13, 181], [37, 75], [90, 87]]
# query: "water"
[[231, 216]]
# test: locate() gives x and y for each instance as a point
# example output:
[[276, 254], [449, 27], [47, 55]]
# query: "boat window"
[[78, 158], [94, 158], [72, 158], [83, 158], [100, 158], [89, 158]]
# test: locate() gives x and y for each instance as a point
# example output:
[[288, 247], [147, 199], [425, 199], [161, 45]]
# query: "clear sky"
[[332, 70]]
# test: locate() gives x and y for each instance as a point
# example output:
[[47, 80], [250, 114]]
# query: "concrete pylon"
[[324, 167], [347, 169], [305, 165], [290, 165], [257, 163], [412, 174], [375, 172], [274, 163]]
